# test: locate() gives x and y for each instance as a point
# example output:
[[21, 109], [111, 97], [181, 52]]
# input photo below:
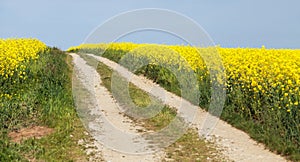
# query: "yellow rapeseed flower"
[[272, 72]]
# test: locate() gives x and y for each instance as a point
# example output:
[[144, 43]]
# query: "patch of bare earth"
[[30, 132]]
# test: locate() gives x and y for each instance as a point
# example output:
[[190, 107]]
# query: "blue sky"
[[231, 23]]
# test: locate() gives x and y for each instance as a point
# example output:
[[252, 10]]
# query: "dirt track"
[[233, 143]]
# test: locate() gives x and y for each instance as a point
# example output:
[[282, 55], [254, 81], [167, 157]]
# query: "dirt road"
[[233, 143]]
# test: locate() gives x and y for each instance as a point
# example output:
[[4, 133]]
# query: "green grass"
[[44, 99], [187, 148]]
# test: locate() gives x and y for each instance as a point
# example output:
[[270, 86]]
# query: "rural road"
[[233, 143]]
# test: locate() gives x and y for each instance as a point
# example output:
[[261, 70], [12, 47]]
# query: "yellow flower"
[[15, 52], [272, 72], [253, 84]]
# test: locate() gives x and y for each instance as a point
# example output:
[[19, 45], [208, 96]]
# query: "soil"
[[31, 132]]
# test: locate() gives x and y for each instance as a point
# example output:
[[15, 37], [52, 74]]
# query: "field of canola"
[[262, 72], [14, 55], [262, 85]]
